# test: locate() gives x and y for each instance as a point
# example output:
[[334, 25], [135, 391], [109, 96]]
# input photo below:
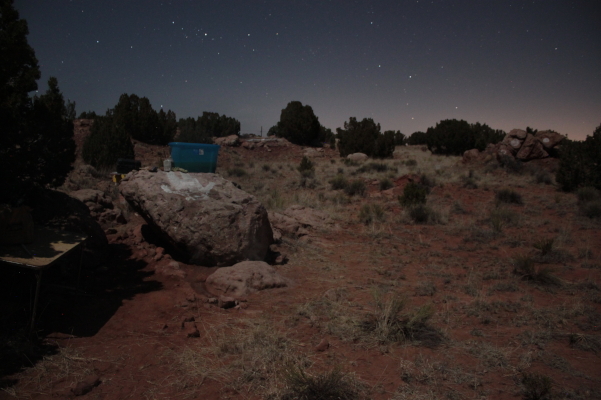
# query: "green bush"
[[422, 214], [413, 194], [580, 163], [355, 188], [339, 182], [107, 142]]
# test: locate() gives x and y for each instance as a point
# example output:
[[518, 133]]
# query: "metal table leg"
[[38, 277]]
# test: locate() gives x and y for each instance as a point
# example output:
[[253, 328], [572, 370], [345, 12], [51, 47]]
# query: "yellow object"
[[117, 177]]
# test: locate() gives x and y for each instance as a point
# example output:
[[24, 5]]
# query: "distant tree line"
[[580, 162], [207, 126], [454, 137]]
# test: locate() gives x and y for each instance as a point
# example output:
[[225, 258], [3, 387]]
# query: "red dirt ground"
[[128, 327]]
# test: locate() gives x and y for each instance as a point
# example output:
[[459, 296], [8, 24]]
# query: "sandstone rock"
[[549, 139], [357, 157], [296, 220], [86, 385], [313, 152], [170, 268], [518, 133], [531, 149], [226, 302], [93, 196], [248, 145], [232, 140], [323, 345], [205, 217], [471, 155], [244, 278]]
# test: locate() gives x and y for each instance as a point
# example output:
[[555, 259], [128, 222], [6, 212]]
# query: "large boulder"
[[243, 279], [517, 133], [203, 216], [531, 149]]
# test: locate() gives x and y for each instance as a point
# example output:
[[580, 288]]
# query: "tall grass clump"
[[527, 270], [332, 385], [355, 188], [371, 213], [339, 182], [306, 168]]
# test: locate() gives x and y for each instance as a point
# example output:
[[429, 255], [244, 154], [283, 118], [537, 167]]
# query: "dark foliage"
[[454, 137], [299, 125], [36, 137], [108, 141], [365, 137], [137, 117], [416, 138], [580, 163], [87, 115], [355, 188], [413, 194], [509, 196], [537, 386], [207, 126]]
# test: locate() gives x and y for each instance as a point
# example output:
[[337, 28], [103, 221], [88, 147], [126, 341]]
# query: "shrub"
[[339, 182], [591, 209], [536, 386], [545, 246], [508, 196], [355, 187], [526, 269], [511, 164], [385, 184], [329, 385], [413, 194], [373, 166], [580, 163], [371, 213], [107, 142], [420, 213], [306, 168], [454, 137], [587, 194]]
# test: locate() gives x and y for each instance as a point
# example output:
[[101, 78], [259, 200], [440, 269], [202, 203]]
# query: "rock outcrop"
[[243, 279], [518, 144], [297, 221], [231, 141], [203, 216]]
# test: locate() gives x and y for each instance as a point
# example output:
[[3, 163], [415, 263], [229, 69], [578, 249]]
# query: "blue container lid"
[[194, 145]]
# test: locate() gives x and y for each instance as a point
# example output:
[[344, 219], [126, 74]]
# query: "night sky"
[[406, 64]]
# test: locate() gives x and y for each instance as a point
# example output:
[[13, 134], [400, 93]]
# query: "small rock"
[[159, 253], [190, 330], [86, 385], [226, 302], [323, 345]]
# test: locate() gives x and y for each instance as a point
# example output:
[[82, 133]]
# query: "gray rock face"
[[202, 215], [244, 278]]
